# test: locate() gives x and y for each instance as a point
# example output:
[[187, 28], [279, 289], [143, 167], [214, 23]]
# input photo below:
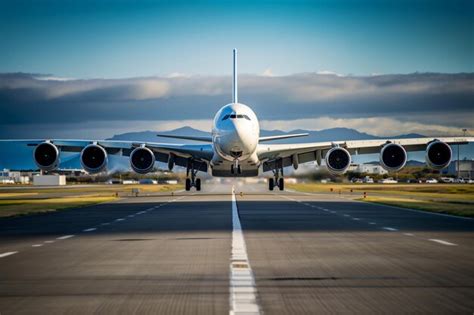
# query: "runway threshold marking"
[[442, 242], [7, 254], [243, 293]]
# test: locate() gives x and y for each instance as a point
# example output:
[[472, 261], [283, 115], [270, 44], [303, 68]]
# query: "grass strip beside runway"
[[31, 200], [455, 199], [447, 207], [15, 207]]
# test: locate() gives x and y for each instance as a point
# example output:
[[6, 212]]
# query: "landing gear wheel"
[[198, 184], [271, 183], [281, 184], [188, 184], [232, 171]]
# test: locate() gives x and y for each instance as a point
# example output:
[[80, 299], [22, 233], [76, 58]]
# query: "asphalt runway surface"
[[182, 254]]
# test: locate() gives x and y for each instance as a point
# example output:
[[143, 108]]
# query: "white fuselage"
[[235, 135]]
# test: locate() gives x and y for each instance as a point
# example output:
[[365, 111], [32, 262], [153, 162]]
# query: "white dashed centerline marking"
[[372, 223], [389, 229], [36, 245], [408, 234], [356, 219], [442, 242], [7, 254], [89, 230], [65, 237], [243, 294]]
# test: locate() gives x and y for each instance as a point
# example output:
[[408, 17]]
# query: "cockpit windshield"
[[235, 116]]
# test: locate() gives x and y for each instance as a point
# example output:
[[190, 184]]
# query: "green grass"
[[455, 199], [15, 207], [28, 201], [447, 207]]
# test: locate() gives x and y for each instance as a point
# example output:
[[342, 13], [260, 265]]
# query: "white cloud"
[[328, 72], [178, 75], [268, 73], [53, 78]]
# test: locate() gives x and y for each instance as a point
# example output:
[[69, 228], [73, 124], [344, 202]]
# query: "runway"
[[169, 254]]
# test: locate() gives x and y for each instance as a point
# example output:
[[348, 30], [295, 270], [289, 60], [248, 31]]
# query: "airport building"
[[466, 169], [13, 177], [368, 169]]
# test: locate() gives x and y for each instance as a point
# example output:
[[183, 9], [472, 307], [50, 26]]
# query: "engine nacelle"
[[393, 157], [93, 158], [438, 155], [142, 160], [338, 160], [46, 156]]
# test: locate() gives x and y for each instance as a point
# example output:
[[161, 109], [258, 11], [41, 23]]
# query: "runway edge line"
[[243, 292]]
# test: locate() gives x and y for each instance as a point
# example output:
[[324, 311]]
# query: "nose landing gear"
[[235, 168]]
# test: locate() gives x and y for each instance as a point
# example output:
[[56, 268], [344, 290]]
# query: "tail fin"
[[234, 82]]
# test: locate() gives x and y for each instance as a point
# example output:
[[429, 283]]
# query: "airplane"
[[236, 149]]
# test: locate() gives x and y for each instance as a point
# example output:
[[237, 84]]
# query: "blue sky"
[[120, 39]]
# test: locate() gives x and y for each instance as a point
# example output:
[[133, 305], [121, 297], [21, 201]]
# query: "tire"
[[281, 184], [188, 184], [271, 183], [198, 184]]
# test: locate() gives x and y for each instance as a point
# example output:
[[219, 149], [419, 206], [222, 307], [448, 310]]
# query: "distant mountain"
[[150, 136]]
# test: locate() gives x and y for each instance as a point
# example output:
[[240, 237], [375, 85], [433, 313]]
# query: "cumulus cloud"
[[425, 103], [268, 73]]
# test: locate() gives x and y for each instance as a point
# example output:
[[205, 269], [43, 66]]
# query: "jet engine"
[[393, 157], [46, 156], [142, 160], [93, 158], [438, 155], [338, 160]]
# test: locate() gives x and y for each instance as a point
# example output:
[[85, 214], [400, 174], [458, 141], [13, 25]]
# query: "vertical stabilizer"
[[234, 81]]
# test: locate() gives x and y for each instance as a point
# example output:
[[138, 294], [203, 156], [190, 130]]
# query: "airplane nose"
[[236, 140]]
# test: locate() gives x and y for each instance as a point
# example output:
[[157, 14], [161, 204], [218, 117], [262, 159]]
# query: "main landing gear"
[[278, 180], [193, 181]]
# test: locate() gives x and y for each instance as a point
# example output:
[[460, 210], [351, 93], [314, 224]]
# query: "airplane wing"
[[285, 154], [201, 154], [209, 138], [270, 138], [193, 138]]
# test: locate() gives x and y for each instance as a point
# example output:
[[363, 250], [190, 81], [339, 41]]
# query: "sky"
[[119, 39], [98, 68]]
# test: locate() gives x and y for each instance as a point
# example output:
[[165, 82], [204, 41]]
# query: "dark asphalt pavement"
[[170, 255]]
